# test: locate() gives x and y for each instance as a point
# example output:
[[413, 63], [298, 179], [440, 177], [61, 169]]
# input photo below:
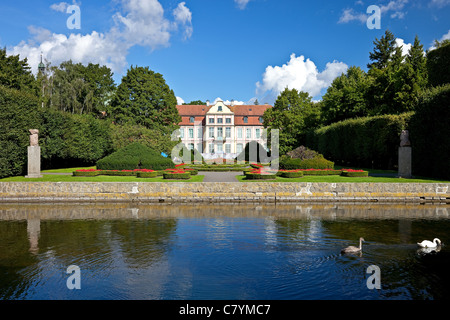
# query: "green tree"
[[383, 51], [16, 73], [346, 97], [78, 89], [195, 103], [144, 98], [292, 114]]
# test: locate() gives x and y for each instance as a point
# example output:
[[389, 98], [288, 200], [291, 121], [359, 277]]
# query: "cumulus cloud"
[[140, 22], [228, 102], [440, 3], [180, 101], [299, 74], [350, 15], [444, 37], [405, 46]]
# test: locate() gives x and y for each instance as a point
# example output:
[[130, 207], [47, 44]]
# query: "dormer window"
[[191, 119], [219, 108], [261, 120], [245, 119]]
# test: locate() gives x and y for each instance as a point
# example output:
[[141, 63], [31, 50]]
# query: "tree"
[[346, 97], [16, 73], [293, 114], [144, 98], [383, 51], [76, 88], [195, 103]]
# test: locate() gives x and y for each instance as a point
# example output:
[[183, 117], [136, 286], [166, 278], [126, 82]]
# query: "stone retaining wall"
[[222, 192]]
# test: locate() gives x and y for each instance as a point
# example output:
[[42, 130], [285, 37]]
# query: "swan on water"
[[428, 244], [353, 249]]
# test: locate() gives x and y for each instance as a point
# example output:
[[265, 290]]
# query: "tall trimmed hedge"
[[135, 156], [18, 113], [363, 142], [430, 134]]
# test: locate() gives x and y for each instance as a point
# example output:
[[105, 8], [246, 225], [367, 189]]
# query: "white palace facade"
[[219, 130]]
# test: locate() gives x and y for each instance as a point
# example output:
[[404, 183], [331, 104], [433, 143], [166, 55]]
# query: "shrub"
[[193, 172], [87, 173], [254, 151], [354, 173], [318, 162], [259, 176], [135, 156], [141, 174], [320, 172], [176, 175], [291, 174]]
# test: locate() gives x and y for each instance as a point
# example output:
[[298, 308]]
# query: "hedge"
[[147, 174], [362, 142], [355, 173], [430, 134], [178, 176], [291, 174], [259, 176]]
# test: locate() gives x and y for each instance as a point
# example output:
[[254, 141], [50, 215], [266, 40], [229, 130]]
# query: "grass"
[[69, 178]]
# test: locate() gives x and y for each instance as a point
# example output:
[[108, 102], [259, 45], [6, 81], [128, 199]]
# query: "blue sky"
[[232, 49]]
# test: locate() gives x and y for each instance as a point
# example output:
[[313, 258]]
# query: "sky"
[[238, 50]]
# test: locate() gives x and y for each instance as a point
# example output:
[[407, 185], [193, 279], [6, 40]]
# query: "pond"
[[222, 251]]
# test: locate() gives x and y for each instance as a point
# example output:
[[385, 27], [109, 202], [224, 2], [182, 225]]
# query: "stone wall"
[[222, 192]]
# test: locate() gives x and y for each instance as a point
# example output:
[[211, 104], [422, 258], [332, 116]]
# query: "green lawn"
[[69, 178]]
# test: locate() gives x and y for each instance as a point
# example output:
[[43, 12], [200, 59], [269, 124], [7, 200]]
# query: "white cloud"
[[394, 6], [60, 7], [444, 37], [440, 3], [183, 16], [350, 15], [297, 74], [405, 46], [242, 3], [140, 22], [180, 101]]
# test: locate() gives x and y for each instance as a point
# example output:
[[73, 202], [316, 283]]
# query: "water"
[[222, 251]]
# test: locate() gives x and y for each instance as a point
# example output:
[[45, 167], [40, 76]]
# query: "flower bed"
[[260, 174], [177, 174], [354, 173]]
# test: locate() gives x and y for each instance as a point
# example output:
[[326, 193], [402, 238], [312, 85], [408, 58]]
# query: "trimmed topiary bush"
[[259, 176], [147, 174], [291, 174], [318, 162], [135, 156], [177, 176]]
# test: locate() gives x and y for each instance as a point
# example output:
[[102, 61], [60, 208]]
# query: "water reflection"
[[222, 251]]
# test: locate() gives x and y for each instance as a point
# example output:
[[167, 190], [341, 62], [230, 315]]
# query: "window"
[[200, 133], [211, 132], [239, 148], [228, 148], [239, 133], [219, 147], [191, 119], [228, 120], [219, 108], [191, 133], [219, 120], [258, 133], [191, 146], [261, 119], [211, 148], [211, 120], [249, 133], [181, 133], [245, 119], [219, 132], [228, 132], [200, 147]]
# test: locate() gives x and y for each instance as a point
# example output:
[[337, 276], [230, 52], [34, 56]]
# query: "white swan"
[[428, 244], [353, 249]]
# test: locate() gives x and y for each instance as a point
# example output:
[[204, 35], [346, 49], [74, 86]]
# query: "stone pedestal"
[[404, 162], [34, 162]]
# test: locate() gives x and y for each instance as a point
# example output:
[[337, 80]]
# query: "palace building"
[[219, 130]]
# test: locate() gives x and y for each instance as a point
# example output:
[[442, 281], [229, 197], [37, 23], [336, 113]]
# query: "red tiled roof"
[[253, 112]]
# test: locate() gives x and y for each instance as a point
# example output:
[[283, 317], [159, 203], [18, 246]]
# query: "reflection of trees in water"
[[143, 242]]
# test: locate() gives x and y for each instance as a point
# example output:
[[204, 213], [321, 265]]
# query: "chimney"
[[207, 103], [232, 102]]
